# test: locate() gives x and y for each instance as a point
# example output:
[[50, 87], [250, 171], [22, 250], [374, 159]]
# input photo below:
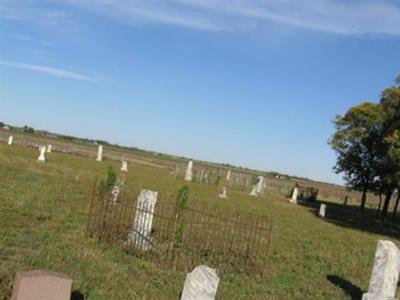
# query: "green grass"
[[44, 213]]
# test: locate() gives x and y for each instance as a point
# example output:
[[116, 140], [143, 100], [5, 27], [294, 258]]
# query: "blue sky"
[[252, 83]]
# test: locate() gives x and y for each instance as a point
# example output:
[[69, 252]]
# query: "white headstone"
[[100, 153], [385, 273], [42, 157], [10, 140], [49, 147], [294, 195], [201, 284], [322, 210], [189, 171], [124, 166], [223, 193], [115, 193], [228, 175], [140, 235], [258, 189]]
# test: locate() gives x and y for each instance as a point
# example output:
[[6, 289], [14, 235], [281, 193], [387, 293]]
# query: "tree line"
[[367, 144]]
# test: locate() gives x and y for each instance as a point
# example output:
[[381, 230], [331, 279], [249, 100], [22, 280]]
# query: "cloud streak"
[[48, 70], [338, 17]]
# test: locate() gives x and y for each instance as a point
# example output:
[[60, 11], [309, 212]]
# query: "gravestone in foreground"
[[322, 210], [201, 284], [49, 148], [41, 285], [385, 273], [100, 153], [124, 166], [42, 157], [294, 195], [189, 171], [140, 235], [10, 140]]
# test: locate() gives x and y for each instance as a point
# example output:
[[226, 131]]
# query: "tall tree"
[[355, 142], [389, 150]]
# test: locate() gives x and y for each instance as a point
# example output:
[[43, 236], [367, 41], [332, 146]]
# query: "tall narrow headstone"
[[41, 285], [115, 193], [201, 284], [385, 273], [201, 175], [322, 210], [42, 157], [346, 199], [49, 148], [124, 166], [100, 153], [228, 175], [189, 171], [140, 235], [10, 140], [294, 195]]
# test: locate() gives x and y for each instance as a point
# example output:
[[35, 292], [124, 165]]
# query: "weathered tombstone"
[[228, 175], [176, 171], [189, 171], [41, 285], [201, 175], [124, 166], [206, 177], [294, 195], [49, 148], [223, 193], [42, 157], [322, 210], [258, 189], [10, 140], [346, 199], [385, 273], [115, 193], [140, 235], [201, 284], [100, 153]]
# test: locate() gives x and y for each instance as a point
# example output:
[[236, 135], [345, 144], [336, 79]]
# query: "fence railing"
[[182, 239]]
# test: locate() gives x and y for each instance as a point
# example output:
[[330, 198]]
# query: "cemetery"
[[76, 220]]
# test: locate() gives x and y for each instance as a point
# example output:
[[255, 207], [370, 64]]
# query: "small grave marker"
[[322, 210], [10, 140], [124, 166], [42, 157], [100, 153], [201, 284], [189, 171]]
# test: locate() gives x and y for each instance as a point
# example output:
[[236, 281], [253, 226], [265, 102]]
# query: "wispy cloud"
[[331, 16], [49, 71]]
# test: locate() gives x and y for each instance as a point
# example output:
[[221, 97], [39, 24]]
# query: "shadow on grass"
[[350, 289], [350, 217], [77, 295]]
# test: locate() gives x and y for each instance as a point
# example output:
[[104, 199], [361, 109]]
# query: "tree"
[[355, 142], [389, 150]]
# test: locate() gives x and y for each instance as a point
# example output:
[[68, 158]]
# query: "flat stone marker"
[[201, 284], [385, 273], [10, 140], [140, 235], [42, 157], [100, 153], [49, 148], [294, 195], [41, 285], [228, 175], [322, 210], [124, 166], [189, 171]]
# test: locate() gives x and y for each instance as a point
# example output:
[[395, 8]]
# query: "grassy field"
[[43, 217]]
